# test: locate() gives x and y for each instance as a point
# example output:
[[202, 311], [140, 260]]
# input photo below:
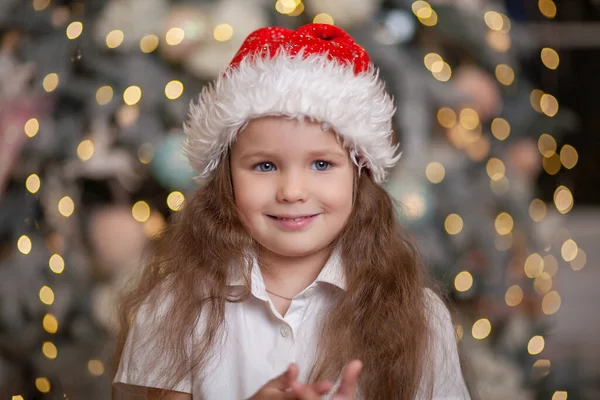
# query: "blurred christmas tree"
[[92, 99]]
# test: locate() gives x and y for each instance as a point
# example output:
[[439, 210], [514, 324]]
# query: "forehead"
[[271, 133]]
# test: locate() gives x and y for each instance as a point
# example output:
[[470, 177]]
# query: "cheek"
[[249, 199], [338, 196]]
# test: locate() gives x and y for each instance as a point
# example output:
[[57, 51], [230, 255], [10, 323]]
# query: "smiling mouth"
[[292, 218]]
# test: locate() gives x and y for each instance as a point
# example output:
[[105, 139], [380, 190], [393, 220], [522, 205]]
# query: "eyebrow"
[[321, 153]]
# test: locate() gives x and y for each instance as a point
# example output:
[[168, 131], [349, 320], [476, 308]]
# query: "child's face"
[[293, 184]]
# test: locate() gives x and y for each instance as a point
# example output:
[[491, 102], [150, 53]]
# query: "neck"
[[288, 276]]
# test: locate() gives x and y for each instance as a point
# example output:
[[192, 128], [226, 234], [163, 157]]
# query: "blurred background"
[[498, 102]]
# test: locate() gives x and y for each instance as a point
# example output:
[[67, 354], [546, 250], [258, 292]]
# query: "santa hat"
[[316, 72]]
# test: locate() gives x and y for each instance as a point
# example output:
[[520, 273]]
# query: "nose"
[[292, 187]]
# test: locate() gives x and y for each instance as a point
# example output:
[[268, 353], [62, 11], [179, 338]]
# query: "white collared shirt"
[[259, 344]]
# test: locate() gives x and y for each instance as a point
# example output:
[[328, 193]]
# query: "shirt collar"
[[332, 273]]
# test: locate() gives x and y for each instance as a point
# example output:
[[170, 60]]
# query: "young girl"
[[287, 276]]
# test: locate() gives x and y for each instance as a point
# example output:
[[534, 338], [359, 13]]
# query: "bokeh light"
[[481, 328]]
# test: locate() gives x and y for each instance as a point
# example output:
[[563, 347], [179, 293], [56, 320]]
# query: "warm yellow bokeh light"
[[469, 118], [66, 207], [145, 153], [493, 20], [42, 384], [132, 95], [85, 150], [552, 164], [286, 6], [541, 368], [495, 169], [563, 199], [547, 8], [223, 32], [536, 345], [140, 211], [569, 250], [74, 30], [568, 156], [481, 328], [504, 223], [431, 19], [453, 224], [33, 183], [514, 296], [32, 127], [175, 200], [446, 117], [149, 43], [549, 105], [550, 58], [534, 265], [174, 36], [505, 74], [323, 18], [498, 41], [104, 95], [537, 210], [174, 89], [551, 303], [463, 281], [24, 244], [39, 5], [50, 82], [96, 367], [114, 39], [500, 186], [50, 323], [49, 350], [56, 263], [46, 295], [459, 332], [443, 73], [435, 172], [546, 145], [17, 397], [543, 283], [535, 99], [579, 261], [560, 395], [430, 59], [500, 128]]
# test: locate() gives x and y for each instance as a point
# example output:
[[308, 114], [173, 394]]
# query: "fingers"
[[322, 387], [283, 381], [303, 392], [350, 376]]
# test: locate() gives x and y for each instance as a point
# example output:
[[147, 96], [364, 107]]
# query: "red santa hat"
[[317, 72]]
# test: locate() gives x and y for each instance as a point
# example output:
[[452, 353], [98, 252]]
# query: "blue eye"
[[265, 167], [321, 165]]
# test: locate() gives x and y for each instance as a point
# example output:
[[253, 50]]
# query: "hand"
[[280, 388], [346, 391]]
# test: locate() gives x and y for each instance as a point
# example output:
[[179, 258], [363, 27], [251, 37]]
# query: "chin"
[[294, 249]]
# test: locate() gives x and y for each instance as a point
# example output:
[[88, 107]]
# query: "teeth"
[[290, 219]]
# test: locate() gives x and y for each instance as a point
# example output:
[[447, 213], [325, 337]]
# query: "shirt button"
[[285, 331]]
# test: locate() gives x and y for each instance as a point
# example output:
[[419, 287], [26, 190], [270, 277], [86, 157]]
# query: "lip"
[[291, 222]]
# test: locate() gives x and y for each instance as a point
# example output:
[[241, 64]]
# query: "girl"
[[286, 276]]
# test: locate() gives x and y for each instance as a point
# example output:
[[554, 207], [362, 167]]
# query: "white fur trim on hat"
[[355, 106]]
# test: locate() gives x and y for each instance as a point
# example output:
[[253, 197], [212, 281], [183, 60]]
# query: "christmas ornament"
[[344, 93], [122, 26], [231, 22], [169, 166], [117, 238]]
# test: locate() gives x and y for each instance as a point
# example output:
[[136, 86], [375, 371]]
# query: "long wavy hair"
[[381, 319]]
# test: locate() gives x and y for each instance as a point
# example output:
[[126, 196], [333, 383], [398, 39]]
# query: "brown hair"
[[380, 319]]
